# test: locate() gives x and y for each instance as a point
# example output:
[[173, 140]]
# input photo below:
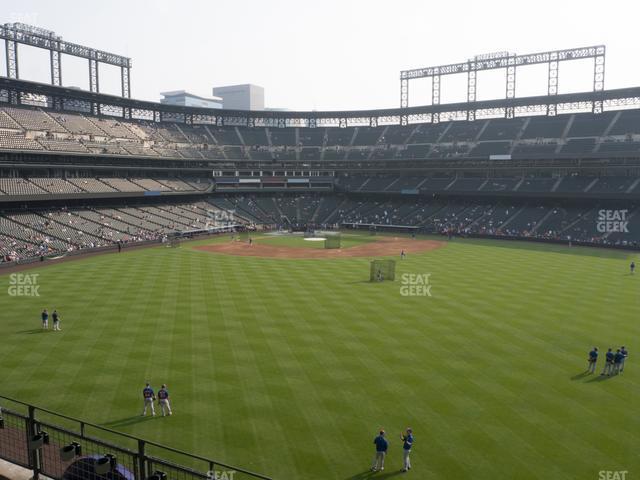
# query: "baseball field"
[[290, 366]]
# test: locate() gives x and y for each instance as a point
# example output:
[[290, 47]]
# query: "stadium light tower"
[[16, 33], [509, 62]]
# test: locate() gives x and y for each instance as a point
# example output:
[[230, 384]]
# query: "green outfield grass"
[[297, 241], [289, 367]]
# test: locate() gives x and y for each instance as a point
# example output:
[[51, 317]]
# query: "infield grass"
[[289, 367]]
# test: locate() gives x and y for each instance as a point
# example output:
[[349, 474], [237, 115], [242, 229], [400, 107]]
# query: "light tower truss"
[[509, 62], [19, 33]]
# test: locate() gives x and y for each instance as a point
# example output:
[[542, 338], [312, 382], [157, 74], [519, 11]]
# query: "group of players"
[[55, 316], [614, 362], [149, 397], [382, 445]]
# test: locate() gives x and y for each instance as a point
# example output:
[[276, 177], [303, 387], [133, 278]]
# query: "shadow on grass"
[[368, 474], [126, 421], [33, 330], [601, 378], [580, 375]]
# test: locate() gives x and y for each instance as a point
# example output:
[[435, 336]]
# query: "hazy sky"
[[329, 54]]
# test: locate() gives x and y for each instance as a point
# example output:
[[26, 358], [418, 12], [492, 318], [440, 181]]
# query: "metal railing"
[[65, 448]]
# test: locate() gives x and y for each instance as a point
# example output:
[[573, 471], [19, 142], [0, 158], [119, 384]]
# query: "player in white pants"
[[163, 400], [381, 451], [149, 398], [407, 443]]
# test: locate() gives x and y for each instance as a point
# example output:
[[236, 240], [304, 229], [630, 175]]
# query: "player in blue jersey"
[[608, 366], [56, 320], [625, 354], [593, 359], [45, 319], [617, 362], [381, 450], [632, 267], [149, 397], [163, 400], [407, 443]]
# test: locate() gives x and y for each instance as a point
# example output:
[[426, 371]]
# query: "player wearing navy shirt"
[[625, 354], [407, 443], [163, 400], [593, 359], [608, 366], [45, 319], [617, 361], [632, 267], [56, 320], [381, 450], [149, 397]]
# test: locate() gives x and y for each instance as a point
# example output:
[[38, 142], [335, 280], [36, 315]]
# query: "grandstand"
[[499, 177]]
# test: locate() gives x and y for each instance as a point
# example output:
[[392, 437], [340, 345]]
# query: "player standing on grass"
[[381, 450], [632, 267], [617, 362], [149, 398], [593, 359], [45, 319], [407, 443], [625, 354], [56, 320], [163, 400], [608, 366]]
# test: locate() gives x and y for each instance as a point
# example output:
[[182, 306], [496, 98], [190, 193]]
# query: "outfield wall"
[[417, 230]]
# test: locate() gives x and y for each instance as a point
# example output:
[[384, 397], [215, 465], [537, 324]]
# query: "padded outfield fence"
[[64, 448]]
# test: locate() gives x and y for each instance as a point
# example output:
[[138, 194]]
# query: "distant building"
[[186, 99], [241, 97]]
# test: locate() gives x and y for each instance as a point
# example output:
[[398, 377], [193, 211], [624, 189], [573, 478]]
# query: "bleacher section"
[[43, 186], [563, 135]]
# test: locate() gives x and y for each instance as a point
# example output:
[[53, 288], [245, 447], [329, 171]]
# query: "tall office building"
[[186, 99], [241, 97]]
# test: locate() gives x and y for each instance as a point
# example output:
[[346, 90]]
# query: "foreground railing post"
[[142, 460], [34, 457]]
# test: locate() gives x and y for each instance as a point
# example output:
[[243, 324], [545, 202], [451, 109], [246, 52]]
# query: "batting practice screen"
[[332, 241], [382, 270]]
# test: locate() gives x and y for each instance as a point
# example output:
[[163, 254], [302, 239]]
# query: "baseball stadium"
[[304, 282]]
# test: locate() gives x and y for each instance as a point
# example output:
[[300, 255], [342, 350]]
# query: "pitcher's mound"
[[383, 247]]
